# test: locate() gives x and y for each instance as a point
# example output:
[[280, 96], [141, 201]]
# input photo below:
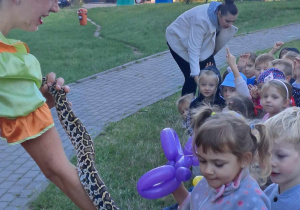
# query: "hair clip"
[[252, 126]]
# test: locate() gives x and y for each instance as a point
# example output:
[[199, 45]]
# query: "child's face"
[[260, 68], [272, 102], [218, 168], [208, 86], [249, 70], [228, 92], [285, 164], [184, 110]]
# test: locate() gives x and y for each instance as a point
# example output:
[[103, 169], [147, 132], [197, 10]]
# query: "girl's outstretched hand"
[[231, 60], [59, 84]]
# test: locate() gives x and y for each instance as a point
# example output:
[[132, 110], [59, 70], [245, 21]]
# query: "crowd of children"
[[231, 148]]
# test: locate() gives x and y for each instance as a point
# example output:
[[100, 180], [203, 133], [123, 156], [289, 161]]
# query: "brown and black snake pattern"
[[83, 144]]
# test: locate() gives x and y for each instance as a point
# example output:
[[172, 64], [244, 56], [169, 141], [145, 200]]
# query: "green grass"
[[72, 51], [126, 150]]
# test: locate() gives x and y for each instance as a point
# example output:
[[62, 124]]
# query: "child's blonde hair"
[[230, 132], [284, 88], [287, 67], [204, 73], [291, 55], [263, 58], [286, 124], [184, 99]]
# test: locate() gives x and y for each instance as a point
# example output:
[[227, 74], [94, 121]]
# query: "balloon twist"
[[164, 180]]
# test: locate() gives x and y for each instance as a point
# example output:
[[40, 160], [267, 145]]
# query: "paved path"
[[111, 96]]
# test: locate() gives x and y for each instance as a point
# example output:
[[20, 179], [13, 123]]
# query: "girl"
[[25, 118], [275, 96], [284, 129], [209, 93], [225, 153], [208, 87]]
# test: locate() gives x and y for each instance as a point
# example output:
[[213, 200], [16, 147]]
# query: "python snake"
[[83, 144]]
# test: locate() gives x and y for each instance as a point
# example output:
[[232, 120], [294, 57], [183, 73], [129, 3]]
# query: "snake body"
[[83, 144]]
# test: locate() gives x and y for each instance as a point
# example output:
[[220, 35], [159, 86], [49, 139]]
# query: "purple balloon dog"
[[163, 180]]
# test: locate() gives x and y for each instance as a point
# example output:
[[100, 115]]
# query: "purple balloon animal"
[[164, 180]]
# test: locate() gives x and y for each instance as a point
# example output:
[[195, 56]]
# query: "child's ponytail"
[[201, 115], [260, 136]]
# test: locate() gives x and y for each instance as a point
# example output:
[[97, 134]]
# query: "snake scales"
[[83, 144]]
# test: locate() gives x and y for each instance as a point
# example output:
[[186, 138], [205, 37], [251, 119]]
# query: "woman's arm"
[[196, 36]]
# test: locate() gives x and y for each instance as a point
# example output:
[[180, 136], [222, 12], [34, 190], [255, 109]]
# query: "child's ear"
[[288, 78], [286, 103], [246, 159]]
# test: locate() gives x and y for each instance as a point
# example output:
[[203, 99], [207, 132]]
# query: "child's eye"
[[219, 165], [201, 160], [280, 156]]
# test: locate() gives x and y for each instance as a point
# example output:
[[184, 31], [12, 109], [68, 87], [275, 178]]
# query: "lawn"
[[72, 51], [127, 149]]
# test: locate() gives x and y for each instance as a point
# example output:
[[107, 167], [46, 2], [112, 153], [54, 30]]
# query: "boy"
[[284, 131], [262, 63], [283, 66]]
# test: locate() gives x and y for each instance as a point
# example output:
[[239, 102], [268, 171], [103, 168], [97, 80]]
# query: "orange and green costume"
[[24, 114]]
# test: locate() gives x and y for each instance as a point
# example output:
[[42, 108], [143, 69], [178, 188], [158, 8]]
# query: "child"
[[208, 83], [256, 91], [275, 97], [208, 86], [284, 130], [25, 117], [183, 106], [283, 66], [225, 153], [262, 63], [242, 105], [234, 82], [250, 69]]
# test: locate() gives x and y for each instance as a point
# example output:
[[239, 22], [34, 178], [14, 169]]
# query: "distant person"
[[197, 35]]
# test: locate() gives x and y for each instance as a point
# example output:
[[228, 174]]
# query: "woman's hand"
[[59, 84]]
